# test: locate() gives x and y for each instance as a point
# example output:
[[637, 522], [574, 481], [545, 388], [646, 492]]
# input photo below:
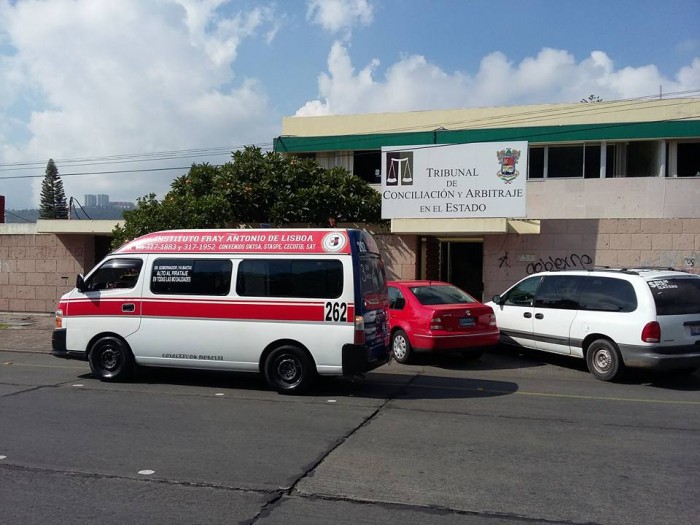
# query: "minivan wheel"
[[603, 360], [111, 359], [289, 370], [401, 347]]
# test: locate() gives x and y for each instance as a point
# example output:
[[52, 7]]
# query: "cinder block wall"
[[588, 243], [35, 270]]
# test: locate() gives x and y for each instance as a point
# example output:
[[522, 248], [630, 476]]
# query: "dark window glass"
[[191, 276], [115, 273], [368, 166], [688, 155], [558, 291], [564, 161], [306, 278], [607, 294], [676, 296], [610, 171], [535, 160], [641, 159], [396, 299], [522, 294], [441, 295], [372, 279], [592, 161]]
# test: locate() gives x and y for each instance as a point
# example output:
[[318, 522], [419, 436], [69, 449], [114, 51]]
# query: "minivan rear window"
[[677, 296]]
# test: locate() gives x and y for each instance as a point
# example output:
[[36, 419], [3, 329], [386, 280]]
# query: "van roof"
[[278, 240]]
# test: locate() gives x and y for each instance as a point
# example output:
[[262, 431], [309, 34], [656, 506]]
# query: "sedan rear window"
[[441, 295], [676, 296]]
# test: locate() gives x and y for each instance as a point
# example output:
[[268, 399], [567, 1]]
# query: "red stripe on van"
[[184, 308]]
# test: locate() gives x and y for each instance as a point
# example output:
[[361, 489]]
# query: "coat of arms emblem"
[[508, 158]]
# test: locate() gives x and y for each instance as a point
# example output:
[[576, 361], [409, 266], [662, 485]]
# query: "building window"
[[535, 160], [368, 166], [688, 159], [573, 161]]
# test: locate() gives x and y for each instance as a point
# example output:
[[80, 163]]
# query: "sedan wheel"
[[401, 347]]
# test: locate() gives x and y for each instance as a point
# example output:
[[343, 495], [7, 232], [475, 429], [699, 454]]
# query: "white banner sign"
[[454, 181]]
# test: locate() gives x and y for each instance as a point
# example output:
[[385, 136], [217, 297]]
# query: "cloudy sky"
[[125, 95]]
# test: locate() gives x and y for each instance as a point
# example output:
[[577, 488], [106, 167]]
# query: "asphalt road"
[[508, 440]]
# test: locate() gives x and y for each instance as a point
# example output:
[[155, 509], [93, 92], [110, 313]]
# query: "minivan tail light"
[[436, 323], [359, 330], [59, 318], [651, 333]]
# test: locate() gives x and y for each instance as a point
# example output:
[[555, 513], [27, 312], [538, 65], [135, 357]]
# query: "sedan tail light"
[[436, 323], [492, 320], [651, 333]]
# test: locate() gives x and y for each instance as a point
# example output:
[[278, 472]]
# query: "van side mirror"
[[80, 283]]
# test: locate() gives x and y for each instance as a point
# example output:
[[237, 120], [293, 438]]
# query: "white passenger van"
[[287, 303]]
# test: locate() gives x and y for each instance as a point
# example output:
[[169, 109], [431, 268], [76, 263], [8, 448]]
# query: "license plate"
[[468, 321], [695, 329]]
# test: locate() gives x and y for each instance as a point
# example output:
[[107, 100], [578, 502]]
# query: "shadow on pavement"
[[374, 385]]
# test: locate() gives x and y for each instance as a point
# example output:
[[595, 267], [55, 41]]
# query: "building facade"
[[612, 184]]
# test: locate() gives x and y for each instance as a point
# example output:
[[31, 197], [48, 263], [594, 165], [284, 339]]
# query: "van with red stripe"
[[288, 303]]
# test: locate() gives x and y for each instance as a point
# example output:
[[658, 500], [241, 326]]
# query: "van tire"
[[111, 359], [401, 347], [289, 370], [604, 360]]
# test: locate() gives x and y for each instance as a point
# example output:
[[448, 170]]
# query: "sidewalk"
[[26, 332]]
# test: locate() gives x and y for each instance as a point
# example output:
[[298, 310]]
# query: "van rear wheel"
[[603, 360], [111, 359], [289, 370]]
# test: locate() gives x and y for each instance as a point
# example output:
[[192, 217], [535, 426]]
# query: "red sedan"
[[437, 316]]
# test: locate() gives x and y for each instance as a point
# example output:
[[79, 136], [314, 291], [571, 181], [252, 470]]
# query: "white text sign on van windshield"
[[454, 181]]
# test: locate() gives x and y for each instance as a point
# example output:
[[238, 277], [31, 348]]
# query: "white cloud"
[[553, 75], [124, 77], [340, 16]]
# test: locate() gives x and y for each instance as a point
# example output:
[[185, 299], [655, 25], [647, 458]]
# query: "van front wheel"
[[603, 360], [289, 370], [110, 359]]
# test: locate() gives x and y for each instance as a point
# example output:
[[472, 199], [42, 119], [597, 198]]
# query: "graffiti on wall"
[[573, 261]]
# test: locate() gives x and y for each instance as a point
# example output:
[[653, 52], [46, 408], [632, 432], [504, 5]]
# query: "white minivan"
[[648, 318], [289, 303]]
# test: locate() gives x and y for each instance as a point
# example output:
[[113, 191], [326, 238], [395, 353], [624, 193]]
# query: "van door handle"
[[128, 307], [539, 316], [527, 315]]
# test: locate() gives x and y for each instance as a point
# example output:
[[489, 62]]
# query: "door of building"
[[462, 264]]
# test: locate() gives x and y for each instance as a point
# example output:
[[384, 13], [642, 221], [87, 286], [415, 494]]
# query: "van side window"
[[115, 273], [522, 294], [304, 278], [559, 291], [606, 294], [191, 276]]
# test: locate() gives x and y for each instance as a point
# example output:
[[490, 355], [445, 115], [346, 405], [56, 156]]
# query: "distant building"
[[122, 205], [90, 201], [103, 201]]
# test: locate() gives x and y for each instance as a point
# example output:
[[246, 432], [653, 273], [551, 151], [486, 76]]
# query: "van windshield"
[[679, 296]]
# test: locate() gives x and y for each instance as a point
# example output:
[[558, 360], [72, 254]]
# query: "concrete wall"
[[36, 269], [587, 243]]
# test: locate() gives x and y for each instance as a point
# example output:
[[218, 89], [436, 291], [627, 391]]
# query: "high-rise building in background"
[[102, 201], [90, 201]]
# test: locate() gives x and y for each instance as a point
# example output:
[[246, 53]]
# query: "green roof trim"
[[536, 134]]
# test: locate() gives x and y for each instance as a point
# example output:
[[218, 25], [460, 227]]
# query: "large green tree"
[[53, 198], [254, 188]]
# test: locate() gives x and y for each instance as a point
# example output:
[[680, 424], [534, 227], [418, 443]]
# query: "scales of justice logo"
[[509, 159], [399, 168]]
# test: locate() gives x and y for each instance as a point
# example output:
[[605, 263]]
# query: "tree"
[[53, 198], [591, 98], [254, 188]]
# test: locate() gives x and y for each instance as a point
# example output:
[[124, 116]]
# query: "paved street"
[[510, 439]]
